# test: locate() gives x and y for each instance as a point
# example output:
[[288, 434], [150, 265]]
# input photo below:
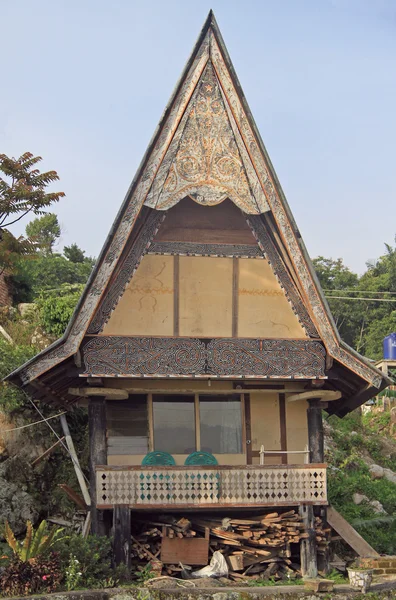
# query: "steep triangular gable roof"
[[236, 166]]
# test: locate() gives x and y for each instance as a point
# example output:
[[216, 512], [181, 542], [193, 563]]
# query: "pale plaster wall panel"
[[205, 285], [146, 307], [263, 310], [265, 424], [297, 429]]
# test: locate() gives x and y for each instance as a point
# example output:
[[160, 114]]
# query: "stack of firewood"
[[258, 546]]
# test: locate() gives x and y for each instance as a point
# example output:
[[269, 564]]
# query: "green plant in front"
[[35, 544], [72, 573]]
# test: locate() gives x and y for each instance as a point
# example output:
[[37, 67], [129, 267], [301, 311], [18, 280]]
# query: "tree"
[[335, 277], [22, 191], [44, 232], [74, 253]]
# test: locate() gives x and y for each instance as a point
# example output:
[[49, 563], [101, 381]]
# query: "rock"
[[24, 308], [390, 475], [16, 505], [377, 507], [359, 498], [353, 433], [393, 414], [376, 472]]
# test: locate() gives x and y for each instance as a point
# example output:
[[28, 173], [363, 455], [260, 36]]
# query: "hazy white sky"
[[84, 83]]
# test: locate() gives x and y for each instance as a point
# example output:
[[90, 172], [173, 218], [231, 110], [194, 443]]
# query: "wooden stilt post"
[[309, 564], [97, 456], [122, 535], [308, 553]]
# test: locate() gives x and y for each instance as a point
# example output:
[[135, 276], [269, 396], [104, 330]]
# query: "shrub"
[[94, 559], [22, 578]]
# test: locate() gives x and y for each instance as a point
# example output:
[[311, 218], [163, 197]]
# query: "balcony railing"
[[210, 487]]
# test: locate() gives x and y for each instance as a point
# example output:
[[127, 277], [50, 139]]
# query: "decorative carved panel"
[[218, 250], [178, 487], [205, 159], [195, 357]]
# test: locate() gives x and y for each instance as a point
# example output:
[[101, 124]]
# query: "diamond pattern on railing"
[[181, 486]]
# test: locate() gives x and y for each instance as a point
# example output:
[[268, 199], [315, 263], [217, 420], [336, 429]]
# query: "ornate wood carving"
[[205, 160], [271, 253], [193, 249], [194, 357]]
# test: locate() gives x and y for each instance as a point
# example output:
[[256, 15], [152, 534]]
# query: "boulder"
[[393, 414], [390, 475], [359, 498], [376, 472], [377, 507], [24, 308]]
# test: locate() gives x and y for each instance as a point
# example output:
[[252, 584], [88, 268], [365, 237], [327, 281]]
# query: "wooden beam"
[[76, 463], [235, 296], [76, 498], [326, 395], [176, 295], [122, 535], [349, 534], [283, 427], [46, 453], [107, 393], [97, 456]]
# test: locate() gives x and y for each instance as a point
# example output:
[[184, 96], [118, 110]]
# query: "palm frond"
[[10, 538], [27, 544]]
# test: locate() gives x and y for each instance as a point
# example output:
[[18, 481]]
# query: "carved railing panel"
[[198, 487]]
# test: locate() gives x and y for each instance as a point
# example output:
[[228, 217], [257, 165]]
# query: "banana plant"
[[35, 542]]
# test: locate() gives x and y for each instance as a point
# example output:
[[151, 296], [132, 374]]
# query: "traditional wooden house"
[[203, 335]]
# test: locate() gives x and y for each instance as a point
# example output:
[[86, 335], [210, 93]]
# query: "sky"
[[84, 83]]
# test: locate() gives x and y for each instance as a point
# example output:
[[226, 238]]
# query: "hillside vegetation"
[[353, 444]]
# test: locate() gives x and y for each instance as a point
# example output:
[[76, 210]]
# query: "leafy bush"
[[94, 559], [22, 578], [57, 307], [12, 357]]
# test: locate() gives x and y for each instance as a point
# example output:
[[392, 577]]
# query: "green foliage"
[[48, 273], [35, 544], [23, 190], [72, 574], [56, 308], [349, 474], [74, 253], [22, 578], [12, 356], [144, 575], [337, 577], [44, 232], [94, 558]]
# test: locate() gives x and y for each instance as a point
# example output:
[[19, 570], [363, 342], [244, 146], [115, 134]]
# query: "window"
[[174, 424], [220, 424], [127, 426], [184, 424]]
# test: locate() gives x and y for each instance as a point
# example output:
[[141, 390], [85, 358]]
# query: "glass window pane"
[[221, 425], [174, 424], [127, 426]]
